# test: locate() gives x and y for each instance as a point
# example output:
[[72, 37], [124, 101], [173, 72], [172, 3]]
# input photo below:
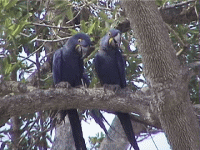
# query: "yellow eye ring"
[[79, 40]]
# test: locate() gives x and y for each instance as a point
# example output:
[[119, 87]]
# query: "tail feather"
[[99, 118], [76, 129], [127, 126]]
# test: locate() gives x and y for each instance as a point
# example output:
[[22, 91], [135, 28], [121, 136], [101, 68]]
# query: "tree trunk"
[[15, 120], [117, 138], [166, 77], [63, 136], [15, 132]]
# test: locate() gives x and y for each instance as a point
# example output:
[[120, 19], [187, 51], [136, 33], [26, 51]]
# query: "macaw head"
[[111, 40], [80, 43]]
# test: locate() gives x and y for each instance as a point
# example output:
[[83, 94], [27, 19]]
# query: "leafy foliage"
[[96, 140]]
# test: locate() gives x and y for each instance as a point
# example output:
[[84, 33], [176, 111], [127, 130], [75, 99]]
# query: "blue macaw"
[[110, 68], [68, 67]]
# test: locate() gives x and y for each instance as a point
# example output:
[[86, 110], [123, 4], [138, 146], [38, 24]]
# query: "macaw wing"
[[57, 64], [121, 69]]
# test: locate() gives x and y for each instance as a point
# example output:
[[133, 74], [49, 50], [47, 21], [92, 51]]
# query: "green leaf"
[[73, 32], [104, 31], [5, 3], [90, 30], [69, 13], [7, 22], [17, 28], [107, 25], [97, 26], [10, 4], [103, 15], [94, 81], [83, 26]]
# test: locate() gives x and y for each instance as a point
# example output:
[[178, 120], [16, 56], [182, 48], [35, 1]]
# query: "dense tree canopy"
[[31, 31]]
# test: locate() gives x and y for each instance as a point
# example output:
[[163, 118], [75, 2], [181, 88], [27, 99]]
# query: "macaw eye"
[[79, 40], [109, 33]]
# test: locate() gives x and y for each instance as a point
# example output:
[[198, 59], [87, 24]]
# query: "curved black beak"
[[115, 41], [82, 50]]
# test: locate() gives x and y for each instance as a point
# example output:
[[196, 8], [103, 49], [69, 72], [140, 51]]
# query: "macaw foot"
[[60, 116], [83, 84], [63, 85], [56, 117], [80, 86], [112, 87]]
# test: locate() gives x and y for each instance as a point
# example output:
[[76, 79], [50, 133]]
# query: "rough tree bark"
[[81, 98], [117, 139], [167, 78], [63, 136], [15, 120], [28, 99]]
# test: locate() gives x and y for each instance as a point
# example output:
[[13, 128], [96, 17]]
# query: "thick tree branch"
[[81, 98], [181, 13], [21, 99], [8, 87]]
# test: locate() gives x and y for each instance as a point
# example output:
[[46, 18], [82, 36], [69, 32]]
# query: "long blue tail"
[[127, 126], [99, 118], [76, 129]]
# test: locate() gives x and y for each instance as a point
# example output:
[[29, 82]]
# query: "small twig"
[[49, 76], [195, 8], [25, 58], [39, 135], [25, 34], [56, 40], [76, 15], [51, 26], [176, 35], [152, 139], [33, 52], [28, 131], [194, 64], [177, 5], [179, 52]]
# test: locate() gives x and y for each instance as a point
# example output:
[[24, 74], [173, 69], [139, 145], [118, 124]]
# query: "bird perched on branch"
[[68, 67], [110, 68]]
